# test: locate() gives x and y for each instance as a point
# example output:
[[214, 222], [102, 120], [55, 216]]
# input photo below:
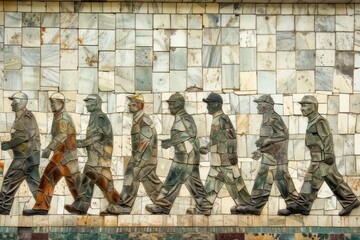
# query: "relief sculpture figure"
[[63, 162], [322, 168], [25, 144], [224, 169], [272, 147], [185, 166], [142, 165], [99, 148]]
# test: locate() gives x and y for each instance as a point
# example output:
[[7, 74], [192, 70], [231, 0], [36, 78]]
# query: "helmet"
[[309, 99], [176, 97], [265, 98], [93, 97], [136, 98], [19, 95], [213, 97], [58, 96]]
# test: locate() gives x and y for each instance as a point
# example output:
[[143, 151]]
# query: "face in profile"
[[133, 106], [174, 107], [56, 104], [307, 109], [262, 107], [91, 105], [213, 107], [17, 104]]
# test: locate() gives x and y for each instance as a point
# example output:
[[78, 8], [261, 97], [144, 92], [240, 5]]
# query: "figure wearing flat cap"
[[64, 160], [223, 159], [272, 146], [322, 168], [185, 166], [25, 144], [143, 162], [99, 147]]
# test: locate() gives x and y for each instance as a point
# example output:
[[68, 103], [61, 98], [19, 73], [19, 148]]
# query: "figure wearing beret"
[[222, 150], [322, 168], [25, 144], [99, 148], [185, 166], [272, 147]]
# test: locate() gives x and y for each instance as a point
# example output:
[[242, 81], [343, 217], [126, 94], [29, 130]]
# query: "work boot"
[[347, 211], [30, 212], [4, 211], [156, 209], [284, 212], [195, 211], [248, 210], [118, 209], [295, 208], [71, 209]]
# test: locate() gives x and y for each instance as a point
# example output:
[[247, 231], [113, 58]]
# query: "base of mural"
[[174, 233]]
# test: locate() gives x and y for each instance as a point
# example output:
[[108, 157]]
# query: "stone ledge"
[[216, 1], [169, 221]]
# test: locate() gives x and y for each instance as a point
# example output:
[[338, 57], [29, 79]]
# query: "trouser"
[[133, 176], [53, 172], [267, 175], [317, 173], [20, 169], [179, 174], [101, 176], [231, 177]]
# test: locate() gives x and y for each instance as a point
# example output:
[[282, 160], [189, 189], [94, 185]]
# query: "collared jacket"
[[183, 139], [143, 139], [25, 138]]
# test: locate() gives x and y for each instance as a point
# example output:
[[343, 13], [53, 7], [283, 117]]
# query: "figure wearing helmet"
[[185, 166], [319, 141], [272, 147], [25, 144], [63, 163], [99, 146], [143, 162]]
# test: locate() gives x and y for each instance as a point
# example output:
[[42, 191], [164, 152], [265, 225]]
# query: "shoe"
[[4, 211], [156, 209], [247, 210], [30, 212], [71, 209], [347, 211], [195, 211], [284, 212], [118, 209], [106, 213], [295, 208]]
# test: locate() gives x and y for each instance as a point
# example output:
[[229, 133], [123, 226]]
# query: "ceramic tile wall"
[[238, 50]]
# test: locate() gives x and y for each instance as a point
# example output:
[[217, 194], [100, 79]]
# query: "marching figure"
[[142, 165], [273, 148], [99, 147], [64, 160], [25, 144], [223, 159], [322, 168], [185, 166]]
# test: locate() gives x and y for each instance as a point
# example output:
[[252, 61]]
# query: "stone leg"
[[195, 186], [262, 187], [213, 184], [285, 184]]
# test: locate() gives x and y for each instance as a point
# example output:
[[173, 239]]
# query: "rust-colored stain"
[[80, 41], [42, 32], [91, 60], [1, 167]]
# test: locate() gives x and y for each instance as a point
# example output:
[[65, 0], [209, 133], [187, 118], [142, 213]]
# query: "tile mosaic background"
[[239, 50]]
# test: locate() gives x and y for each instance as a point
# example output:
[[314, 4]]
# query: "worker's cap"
[[136, 98], [93, 97], [213, 97], [19, 95], [308, 99], [176, 97], [265, 98]]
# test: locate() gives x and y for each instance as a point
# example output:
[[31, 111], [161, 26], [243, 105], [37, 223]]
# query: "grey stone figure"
[[272, 146], [185, 166], [319, 140], [99, 147], [25, 144], [223, 160], [142, 165], [63, 163]]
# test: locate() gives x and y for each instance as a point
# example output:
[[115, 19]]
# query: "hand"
[[79, 143], [204, 150], [233, 158], [46, 153], [329, 158], [166, 143], [262, 142], [256, 155], [5, 145]]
